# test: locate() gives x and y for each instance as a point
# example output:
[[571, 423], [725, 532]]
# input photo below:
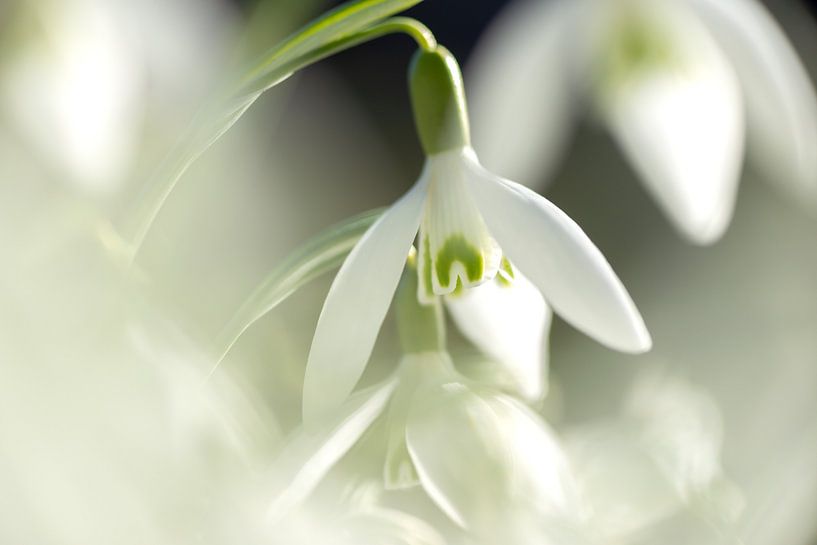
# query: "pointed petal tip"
[[580, 285], [641, 342], [636, 341], [704, 225], [708, 233]]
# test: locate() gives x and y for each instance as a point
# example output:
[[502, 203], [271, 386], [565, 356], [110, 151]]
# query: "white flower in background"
[[74, 91], [82, 80], [679, 84], [655, 468], [471, 224]]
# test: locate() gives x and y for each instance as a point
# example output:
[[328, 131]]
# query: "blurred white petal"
[[682, 427], [622, 487], [509, 321], [498, 460], [312, 453], [520, 93], [75, 95], [551, 250], [416, 371], [659, 458], [681, 124], [350, 512], [378, 526], [780, 98], [357, 304]]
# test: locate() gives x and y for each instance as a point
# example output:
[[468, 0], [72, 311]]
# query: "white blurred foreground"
[[110, 431]]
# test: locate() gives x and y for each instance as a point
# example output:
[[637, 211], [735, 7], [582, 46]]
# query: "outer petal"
[[357, 304], [780, 97], [310, 455], [682, 127], [509, 321], [561, 261], [498, 461], [520, 91]]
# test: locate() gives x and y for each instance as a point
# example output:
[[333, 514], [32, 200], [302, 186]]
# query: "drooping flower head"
[[679, 84], [474, 227]]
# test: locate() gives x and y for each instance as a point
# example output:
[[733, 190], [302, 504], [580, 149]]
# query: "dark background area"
[[376, 71]]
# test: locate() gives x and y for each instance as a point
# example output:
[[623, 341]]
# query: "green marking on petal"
[[458, 250], [505, 273], [635, 45]]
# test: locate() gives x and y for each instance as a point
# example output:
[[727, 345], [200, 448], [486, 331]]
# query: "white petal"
[[509, 321], [622, 486], [661, 457], [486, 458], [681, 124], [357, 304], [681, 427], [311, 453], [780, 97], [455, 248], [416, 371], [379, 526], [551, 250], [520, 94]]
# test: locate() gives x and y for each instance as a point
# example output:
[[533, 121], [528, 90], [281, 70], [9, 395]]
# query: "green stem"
[[421, 327]]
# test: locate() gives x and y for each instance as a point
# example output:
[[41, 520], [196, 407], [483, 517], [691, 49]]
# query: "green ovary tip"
[[458, 250]]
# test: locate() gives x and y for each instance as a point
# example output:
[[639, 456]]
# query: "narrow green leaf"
[[339, 23], [319, 255], [333, 32]]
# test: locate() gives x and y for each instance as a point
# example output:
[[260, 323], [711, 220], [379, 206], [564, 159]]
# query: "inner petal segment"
[[455, 251]]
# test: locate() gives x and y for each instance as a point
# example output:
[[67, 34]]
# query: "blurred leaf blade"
[[341, 22], [317, 256], [330, 33]]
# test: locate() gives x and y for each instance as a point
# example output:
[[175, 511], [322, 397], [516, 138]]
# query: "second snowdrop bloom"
[[500, 469], [678, 83], [473, 226]]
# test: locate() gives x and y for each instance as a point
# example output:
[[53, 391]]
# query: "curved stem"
[[412, 27]]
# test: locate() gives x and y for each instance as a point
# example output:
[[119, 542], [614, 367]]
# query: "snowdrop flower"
[[472, 224], [678, 83], [501, 468]]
